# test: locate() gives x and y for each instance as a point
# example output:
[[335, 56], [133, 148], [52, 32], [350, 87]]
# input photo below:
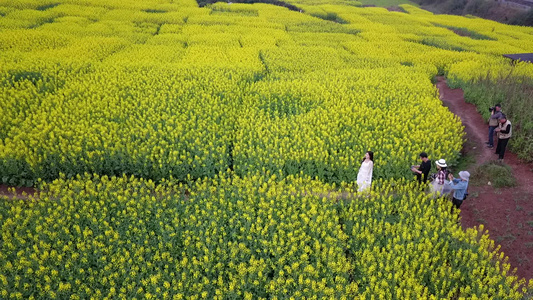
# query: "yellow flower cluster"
[[333, 130], [254, 237], [170, 92]]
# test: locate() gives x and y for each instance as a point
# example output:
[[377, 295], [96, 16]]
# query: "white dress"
[[364, 177]]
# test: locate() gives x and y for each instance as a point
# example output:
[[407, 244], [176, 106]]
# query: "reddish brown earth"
[[506, 213], [20, 192], [394, 8]]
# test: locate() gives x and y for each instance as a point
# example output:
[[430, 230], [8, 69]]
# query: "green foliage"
[[385, 3], [515, 93], [478, 7], [440, 43], [329, 16], [468, 33], [176, 94], [310, 4], [488, 9], [524, 19], [498, 174], [233, 237], [203, 3]]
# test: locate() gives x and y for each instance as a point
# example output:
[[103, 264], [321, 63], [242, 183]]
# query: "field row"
[[223, 144], [157, 99], [253, 237]]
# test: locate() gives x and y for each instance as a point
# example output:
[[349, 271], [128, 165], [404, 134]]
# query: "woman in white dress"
[[364, 177]]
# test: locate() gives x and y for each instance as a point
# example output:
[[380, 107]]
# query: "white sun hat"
[[464, 175], [441, 163]]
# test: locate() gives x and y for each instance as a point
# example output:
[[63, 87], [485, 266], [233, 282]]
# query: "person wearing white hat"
[[459, 187], [440, 176]]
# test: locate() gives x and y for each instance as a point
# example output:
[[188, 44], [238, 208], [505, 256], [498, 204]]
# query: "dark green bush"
[[478, 8], [202, 3], [524, 19], [487, 9], [516, 96]]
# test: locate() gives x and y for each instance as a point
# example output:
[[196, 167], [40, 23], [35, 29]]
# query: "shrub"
[[515, 93], [498, 174]]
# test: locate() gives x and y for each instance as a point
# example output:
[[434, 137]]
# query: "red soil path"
[[507, 213], [20, 192]]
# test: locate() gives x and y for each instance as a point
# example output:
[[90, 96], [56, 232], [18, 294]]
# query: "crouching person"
[[459, 187]]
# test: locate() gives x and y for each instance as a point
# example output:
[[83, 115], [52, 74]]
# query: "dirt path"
[[506, 213], [20, 192]]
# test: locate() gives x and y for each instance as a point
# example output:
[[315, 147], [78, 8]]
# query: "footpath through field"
[[20, 192], [507, 213]]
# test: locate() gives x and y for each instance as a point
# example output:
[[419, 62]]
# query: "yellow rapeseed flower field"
[[210, 153], [255, 236]]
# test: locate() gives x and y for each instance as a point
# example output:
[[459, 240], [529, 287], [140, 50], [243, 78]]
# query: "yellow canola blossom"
[[242, 104], [298, 133], [193, 85], [231, 236], [158, 99]]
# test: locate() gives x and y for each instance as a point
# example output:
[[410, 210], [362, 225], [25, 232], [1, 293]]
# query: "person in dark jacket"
[[495, 115], [422, 171], [504, 131]]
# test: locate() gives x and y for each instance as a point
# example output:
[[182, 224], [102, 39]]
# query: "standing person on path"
[[364, 177], [423, 168], [495, 115], [459, 187], [504, 131], [440, 178]]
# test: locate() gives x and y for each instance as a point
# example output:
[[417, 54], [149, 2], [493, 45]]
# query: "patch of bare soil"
[[19, 192], [507, 213], [461, 32], [395, 8]]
